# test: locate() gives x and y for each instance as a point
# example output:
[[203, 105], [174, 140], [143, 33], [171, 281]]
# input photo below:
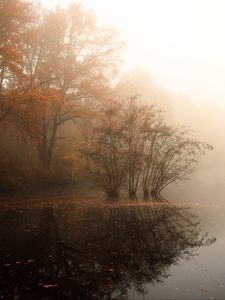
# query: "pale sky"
[[181, 43]]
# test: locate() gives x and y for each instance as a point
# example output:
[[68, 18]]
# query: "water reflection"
[[94, 253]]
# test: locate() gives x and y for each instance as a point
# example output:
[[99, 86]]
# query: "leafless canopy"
[[134, 149]]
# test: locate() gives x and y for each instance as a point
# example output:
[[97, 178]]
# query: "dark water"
[[116, 252]]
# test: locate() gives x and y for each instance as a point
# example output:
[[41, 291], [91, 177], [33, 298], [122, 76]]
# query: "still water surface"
[[121, 251]]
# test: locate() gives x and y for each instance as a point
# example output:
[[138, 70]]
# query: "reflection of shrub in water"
[[106, 253], [139, 243]]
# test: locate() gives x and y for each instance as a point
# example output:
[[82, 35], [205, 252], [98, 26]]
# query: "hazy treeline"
[[61, 113]]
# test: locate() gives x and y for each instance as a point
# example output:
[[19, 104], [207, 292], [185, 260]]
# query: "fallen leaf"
[[203, 291], [48, 286]]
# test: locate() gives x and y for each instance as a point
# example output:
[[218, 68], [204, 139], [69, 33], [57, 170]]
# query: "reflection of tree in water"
[[104, 254]]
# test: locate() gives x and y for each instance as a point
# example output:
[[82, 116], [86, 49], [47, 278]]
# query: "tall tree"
[[68, 59]]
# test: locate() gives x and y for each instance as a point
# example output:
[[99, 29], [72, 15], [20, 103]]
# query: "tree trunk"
[[46, 147]]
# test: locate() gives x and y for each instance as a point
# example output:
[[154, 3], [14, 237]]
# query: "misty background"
[[177, 49], [174, 58]]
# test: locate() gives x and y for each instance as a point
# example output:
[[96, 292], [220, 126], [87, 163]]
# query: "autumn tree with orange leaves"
[[65, 60]]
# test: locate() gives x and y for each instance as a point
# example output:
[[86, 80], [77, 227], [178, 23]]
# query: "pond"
[[138, 250]]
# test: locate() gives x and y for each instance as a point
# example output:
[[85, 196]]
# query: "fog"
[[112, 165], [171, 56], [206, 119], [174, 57], [179, 43]]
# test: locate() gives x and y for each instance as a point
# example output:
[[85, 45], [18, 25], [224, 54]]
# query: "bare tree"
[[137, 119], [172, 153], [133, 147], [107, 154]]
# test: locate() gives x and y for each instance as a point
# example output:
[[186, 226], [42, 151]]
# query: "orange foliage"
[[54, 68]]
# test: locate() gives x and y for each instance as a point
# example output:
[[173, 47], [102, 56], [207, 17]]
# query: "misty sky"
[[180, 42]]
